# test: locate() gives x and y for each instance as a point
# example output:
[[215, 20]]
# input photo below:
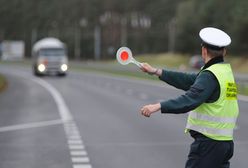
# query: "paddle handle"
[[136, 63]]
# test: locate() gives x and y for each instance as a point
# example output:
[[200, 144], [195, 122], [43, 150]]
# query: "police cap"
[[214, 38]]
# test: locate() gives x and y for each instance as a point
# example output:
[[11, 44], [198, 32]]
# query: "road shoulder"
[[3, 83]]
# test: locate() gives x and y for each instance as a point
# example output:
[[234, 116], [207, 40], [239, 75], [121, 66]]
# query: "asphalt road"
[[90, 120]]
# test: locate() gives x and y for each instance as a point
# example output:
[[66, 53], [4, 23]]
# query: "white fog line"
[[241, 142], [243, 98], [30, 125]]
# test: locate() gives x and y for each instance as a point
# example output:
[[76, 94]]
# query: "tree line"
[[145, 26]]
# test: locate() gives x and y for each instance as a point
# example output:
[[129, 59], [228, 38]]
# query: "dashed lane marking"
[[80, 159], [82, 166], [76, 147], [75, 142], [78, 153], [75, 137]]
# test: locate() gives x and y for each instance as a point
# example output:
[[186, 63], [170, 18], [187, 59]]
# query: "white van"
[[49, 56]]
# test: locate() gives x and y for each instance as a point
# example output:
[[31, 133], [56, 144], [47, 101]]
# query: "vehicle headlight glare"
[[64, 67], [41, 67]]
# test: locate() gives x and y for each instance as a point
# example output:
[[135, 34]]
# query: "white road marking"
[[70, 127], [30, 125], [243, 98], [62, 107], [72, 132], [82, 166], [70, 124], [78, 153], [74, 137], [80, 159], [75, 142], [241, 142], [76, 147]]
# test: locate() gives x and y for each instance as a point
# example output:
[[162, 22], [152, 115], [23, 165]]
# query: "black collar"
[[214, 60]]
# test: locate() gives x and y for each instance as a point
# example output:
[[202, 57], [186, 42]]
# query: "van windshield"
[[52, 52]]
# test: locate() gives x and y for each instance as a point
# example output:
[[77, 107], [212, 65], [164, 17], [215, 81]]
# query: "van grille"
[[53, 65]]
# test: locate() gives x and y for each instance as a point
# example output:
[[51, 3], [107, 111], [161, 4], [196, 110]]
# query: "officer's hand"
[[145, 67], [147, 110]]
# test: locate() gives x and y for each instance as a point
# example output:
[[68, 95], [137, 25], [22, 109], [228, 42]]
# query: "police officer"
[[211, 100]]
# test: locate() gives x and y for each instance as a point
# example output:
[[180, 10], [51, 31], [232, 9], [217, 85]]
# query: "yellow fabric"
[[216, 113]]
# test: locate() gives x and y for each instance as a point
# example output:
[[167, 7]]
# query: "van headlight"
[[41, 67], [64, 67]]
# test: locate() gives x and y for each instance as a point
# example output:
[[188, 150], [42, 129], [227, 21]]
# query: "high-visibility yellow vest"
[[217, 120]]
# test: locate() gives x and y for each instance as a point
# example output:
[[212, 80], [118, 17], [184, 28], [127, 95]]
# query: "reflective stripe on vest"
[[205, 117], [214, 131]]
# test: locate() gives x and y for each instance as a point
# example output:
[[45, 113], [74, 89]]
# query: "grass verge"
[[3, 83]]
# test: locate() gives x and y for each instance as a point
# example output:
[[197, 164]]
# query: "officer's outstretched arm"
[[145, 67]]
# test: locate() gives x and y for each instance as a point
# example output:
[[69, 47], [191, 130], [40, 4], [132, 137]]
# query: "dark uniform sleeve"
[[202, 89], [179, 80]]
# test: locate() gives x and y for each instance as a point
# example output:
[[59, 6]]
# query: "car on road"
[[196, 62], [49, 57]]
